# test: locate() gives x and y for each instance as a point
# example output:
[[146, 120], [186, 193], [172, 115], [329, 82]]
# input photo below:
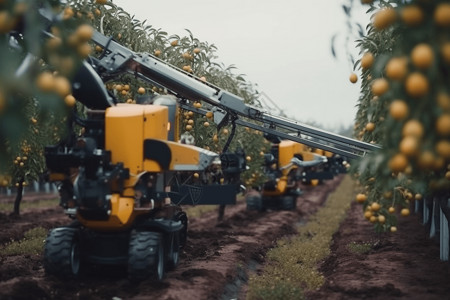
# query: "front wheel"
[[62, 252], [146, 256]]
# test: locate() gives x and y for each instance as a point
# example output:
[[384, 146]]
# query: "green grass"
[[8, 207], [32, 243], [360, 248], [291, 267]]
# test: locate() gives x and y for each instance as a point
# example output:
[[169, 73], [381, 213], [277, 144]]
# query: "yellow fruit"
[[442, 15], [443, 101], [380, 86], [398, 163], [62, 86], [384, 18], [445, 52], [203, 78], [393, 229], [248, 158], [418, 197], [188, 127], [375, 206], [412, 15], [370, 126], [426, 160], [416, 85], [190, 122], [45, 82], [373, 219], [141, 90], [174, 43], [381, 219], [225, 131], [84, 50], [353, 78], [206, 124], [70, 100], [196, 175], [367, 215], [422, 56], [215, 138], [409, 146], [367, 60], [197, 104], [130, 101], [209, 114], [361, 198], [157, 53], [391, 210], [443, 125], [197, 50], [443, 149], [396, 68], [7, 22], [398, 110], [413, 128], [84, 32], [405, 212]]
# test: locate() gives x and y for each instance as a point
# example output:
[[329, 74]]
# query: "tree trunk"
[[18, 198]]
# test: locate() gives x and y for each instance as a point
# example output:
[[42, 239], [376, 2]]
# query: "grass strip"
[[291, 267], [8, 207], [32, 243]]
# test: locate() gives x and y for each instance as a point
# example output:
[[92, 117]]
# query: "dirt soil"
[[218, 257]]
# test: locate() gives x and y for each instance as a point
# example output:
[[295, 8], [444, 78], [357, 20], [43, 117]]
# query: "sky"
[[283, 47]]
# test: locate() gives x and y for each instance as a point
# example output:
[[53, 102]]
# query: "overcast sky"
[[283, 47]]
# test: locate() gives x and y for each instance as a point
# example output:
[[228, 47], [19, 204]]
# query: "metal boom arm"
[[117, 59]]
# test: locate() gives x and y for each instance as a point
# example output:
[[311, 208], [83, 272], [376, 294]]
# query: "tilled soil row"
[[213, 263]]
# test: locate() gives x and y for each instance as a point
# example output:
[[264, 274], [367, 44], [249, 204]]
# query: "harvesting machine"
[[123, 180]]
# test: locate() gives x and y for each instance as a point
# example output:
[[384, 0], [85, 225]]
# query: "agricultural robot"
[[123, 180]]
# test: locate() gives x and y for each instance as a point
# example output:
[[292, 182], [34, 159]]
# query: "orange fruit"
[[360, 198], [398, 163], [442, 148], [248, 158], [416, 85], [197, 104], [409, 146], [426, 160], [373, 219], [215, 138], [375, 206], [84, 32], [190, 122], [141, 90], [45, 81], [353, 78], [393, 229], [7, 22], [225, 131], [370, 126], [422, 56], [405, 212], [62, 86], [443, 125], [396, 68], [384, 18], [445, 52], [188, 127], [157, 53], [398, 110], [411, 15], [84, 50], [101, 2], [443, 100], [70, 100], [367, 215], [174, 43], [367, 60], [206, 124], [442, 15], [381, 219], [380, 86], [209, 114], [413, 128], [197, 50], [391, 210]]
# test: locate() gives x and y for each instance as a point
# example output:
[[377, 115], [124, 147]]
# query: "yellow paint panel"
[[156, 122], [124, 131]]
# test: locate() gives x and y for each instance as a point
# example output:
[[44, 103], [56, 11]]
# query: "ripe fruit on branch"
[[409, 146], [361, 198], [405, 212], [380, 86], [370, 126], [412, 15], [414, 128], [416, 85], [396, 68], [443, 125], [422, 56], [367, 60], [398, 163], [442, 15], [398, 110], [353, 78], [141, 90], [384, 18]]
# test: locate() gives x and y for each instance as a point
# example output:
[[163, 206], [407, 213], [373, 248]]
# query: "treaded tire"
[[254, 202], [173, 250], [62, 252], [182, 235], [288, 202], [146, 256]]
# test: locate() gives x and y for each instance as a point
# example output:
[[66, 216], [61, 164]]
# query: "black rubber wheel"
[[146, 256], [173, 250], [254, 202], [62, 252], [182, 234], [288, 202]]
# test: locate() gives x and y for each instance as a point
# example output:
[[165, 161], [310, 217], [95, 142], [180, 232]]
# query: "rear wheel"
[[173, 247], [146, 256], [62, 252], [254, 202], [288, 202]]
